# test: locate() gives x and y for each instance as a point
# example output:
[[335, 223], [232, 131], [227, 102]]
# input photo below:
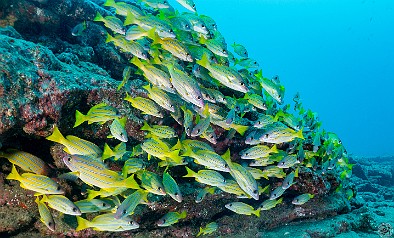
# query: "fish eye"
[[255, 191], [230, 205], [211, 136], [198, 97], [164, 220], [259, 122], [246, 153], [266, 135], [171, 105], [104, 205], [203, 26], [160, 189], [274, 194], [124, 211], [75, 209], [242, 83], [171, 31], [251, 138], [224, 51], [194, 5], [226, 166], [198, 130], [58, 188], [176, 194]]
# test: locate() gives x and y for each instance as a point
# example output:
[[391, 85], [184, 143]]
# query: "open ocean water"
[[338, 54]]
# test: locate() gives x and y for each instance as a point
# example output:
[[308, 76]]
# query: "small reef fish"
[[79, 29], [117, 153], [45, 214], [147, 106], [117, 129], [100, 113], [209, 159], [186, 86], [277, 192], [242, 208], [26, 161], [240, 50], [188, 4], [111, 22], [203, 192], [224, 75], [171, 187], [208, 177], [159, 131], [244, 179], [151, 182], [123, 8], [128, 205], [107, 222], [302, 199], [93, 205], [35, 182], [94, 172], [171, 218], [61, 204], [208, 229], [258, 151], [269, 204], [74, 145], [160, 97]]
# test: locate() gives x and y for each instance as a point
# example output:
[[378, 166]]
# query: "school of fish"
[[193, 80]]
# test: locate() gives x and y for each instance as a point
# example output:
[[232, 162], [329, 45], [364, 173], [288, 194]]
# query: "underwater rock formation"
[[46, 74]]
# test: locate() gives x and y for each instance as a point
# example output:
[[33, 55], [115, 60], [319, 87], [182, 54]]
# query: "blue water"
[[338, 54]]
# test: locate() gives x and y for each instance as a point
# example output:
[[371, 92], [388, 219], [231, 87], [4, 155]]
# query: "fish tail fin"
[[137, 62], [151, 33], [122, 121], [147, 87], [300, 135], [202, 40], [57, 136], [174, 156], [280, 200], [130, 19], [200, 232], [79, 118], [189, 152], [109, 38], [183, 214], [98, 17], [190, 173], [274, 149], [82, 223], [241, 129], [227, 157], [107, 153], [296, 172], [204, 61], [177, 146], [129, 98], [92, 194], [257, 212], [109, 3], [236, 61], [131, 183], [145, 127], [14, 175]]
